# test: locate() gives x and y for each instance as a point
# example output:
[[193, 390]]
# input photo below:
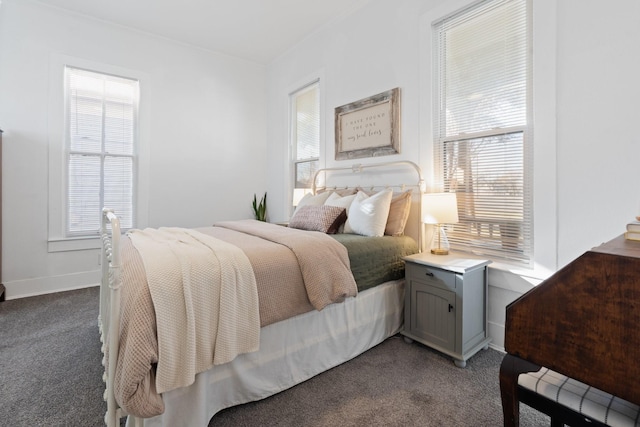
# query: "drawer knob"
[[430, 274]]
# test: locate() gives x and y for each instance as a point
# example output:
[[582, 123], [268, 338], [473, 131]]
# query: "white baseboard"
[[497, 348], [496, 332], [48, 285]]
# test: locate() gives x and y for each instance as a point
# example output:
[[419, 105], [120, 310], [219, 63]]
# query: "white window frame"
[[294, 161], [57, 240], [500, 232], [545, 258], [101, 153]]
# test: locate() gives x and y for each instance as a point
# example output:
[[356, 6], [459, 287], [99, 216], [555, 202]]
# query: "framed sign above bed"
[[369, 127]]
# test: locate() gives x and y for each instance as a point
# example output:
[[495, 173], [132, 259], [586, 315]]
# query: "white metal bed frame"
[[110, 289], [109, 315], [358, 167], [420, 185]]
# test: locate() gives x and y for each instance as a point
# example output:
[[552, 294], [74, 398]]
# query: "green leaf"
[[260, 209]]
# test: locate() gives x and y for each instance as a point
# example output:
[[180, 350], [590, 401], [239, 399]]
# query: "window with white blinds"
[[483, 127], [305, 133], [101, 132]]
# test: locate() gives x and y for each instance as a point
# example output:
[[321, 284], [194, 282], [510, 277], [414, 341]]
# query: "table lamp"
[[439, 209]]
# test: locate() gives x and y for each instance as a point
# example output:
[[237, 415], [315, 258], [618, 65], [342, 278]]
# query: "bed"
[[304, 327]]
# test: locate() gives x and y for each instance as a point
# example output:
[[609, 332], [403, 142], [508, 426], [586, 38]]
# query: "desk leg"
[[510, 369]]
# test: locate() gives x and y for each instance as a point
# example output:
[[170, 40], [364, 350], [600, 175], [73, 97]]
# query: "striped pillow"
[[326, 219]]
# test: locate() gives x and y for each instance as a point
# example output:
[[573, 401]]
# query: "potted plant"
[[260, 209]]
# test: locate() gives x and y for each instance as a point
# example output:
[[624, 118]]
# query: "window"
[[101, 112], [483, 135], [305, 134]]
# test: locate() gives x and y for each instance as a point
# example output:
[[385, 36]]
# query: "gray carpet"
[[50, 361], [51, 376]]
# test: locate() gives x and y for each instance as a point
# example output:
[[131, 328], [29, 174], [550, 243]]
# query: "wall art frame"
[[369, 127]]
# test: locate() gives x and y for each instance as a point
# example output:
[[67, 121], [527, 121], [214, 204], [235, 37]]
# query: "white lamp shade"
[[439, 208]]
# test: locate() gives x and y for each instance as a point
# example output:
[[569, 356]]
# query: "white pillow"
[[340, 201], [368, 215], [312, 200]]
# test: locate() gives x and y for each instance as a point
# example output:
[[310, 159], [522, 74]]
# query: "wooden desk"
[[582, 322]]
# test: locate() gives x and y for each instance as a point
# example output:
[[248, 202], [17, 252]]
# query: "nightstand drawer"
[[431, 276]]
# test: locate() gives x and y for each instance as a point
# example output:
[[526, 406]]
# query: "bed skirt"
[[291, 351]]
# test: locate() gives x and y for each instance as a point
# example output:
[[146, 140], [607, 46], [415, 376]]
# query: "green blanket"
[[376, 260]]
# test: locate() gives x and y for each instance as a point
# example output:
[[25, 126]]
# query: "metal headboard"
[[357, 168], [414, 225]]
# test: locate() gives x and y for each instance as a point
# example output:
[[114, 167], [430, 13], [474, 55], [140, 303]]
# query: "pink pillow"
[[326, 219], [398, 214]]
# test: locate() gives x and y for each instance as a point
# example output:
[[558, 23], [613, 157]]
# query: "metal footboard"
[[109, 317]]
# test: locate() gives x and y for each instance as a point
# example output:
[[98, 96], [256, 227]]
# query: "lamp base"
[[440, 251], [439, 241]]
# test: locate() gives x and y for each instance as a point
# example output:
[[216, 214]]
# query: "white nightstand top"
[[452, 262]]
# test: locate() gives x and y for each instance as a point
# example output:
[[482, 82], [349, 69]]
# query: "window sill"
[[74, 244], [531, 277]]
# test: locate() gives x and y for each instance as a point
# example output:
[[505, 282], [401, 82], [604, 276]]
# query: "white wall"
[[598, 113], [367, 53], [586, 92], [204, 128]]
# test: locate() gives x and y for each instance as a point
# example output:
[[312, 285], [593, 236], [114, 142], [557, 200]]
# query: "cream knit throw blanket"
[[205, 298]]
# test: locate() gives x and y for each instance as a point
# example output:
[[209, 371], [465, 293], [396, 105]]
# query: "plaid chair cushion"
[[582, 398]]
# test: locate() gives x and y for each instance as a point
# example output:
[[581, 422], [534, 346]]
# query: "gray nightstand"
[[446, 304]]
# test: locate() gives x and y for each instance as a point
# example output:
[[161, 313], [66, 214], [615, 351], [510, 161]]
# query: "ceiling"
[[257, 30]]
